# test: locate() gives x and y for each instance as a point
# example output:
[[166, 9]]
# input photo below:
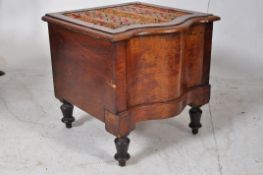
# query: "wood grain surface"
[[137, 75]]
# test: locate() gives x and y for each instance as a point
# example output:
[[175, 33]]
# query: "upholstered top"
[[126, 15], [123, 21]]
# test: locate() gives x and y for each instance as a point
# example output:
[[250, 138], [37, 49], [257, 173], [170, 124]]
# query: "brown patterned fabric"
[[126, 15]]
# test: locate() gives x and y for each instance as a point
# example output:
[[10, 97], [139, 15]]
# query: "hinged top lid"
[[115, 22]]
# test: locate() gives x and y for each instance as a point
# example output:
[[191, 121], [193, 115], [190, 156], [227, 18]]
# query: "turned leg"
[[67, 110], [195, 116], [2, 73], [122, 145]]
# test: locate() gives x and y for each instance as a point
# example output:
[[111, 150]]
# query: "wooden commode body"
[[129, 63]]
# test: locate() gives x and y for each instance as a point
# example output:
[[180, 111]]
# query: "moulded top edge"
[[124, 18]]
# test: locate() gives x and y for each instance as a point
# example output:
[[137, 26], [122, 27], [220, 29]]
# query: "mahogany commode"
[[129, 63]]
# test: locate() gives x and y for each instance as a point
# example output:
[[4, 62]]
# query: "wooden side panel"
[[193, 54], [120, 75], [207, 52], [166, 69], [82, 70], [153, 74]]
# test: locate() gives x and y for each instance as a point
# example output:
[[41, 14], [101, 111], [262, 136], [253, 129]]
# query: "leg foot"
[[67, 111], [122, 145], [2, 73], [195, 117]]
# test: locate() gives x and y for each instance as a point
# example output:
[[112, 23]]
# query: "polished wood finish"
[[137, 74]]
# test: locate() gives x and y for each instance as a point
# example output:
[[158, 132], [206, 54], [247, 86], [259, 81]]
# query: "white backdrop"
[[237, 37], [228, 143]]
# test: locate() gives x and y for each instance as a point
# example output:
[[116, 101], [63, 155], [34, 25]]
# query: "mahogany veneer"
[[129, 63]]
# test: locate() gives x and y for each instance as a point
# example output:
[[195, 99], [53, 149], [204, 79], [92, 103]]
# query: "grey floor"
[[33, 141]]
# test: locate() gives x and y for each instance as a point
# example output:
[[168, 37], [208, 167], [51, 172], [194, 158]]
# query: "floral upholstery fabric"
[[122, 16]]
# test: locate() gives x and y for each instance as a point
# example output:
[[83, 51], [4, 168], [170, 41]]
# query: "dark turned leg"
[[195, 116], [2, 73], [122, 145], [67, 110]]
